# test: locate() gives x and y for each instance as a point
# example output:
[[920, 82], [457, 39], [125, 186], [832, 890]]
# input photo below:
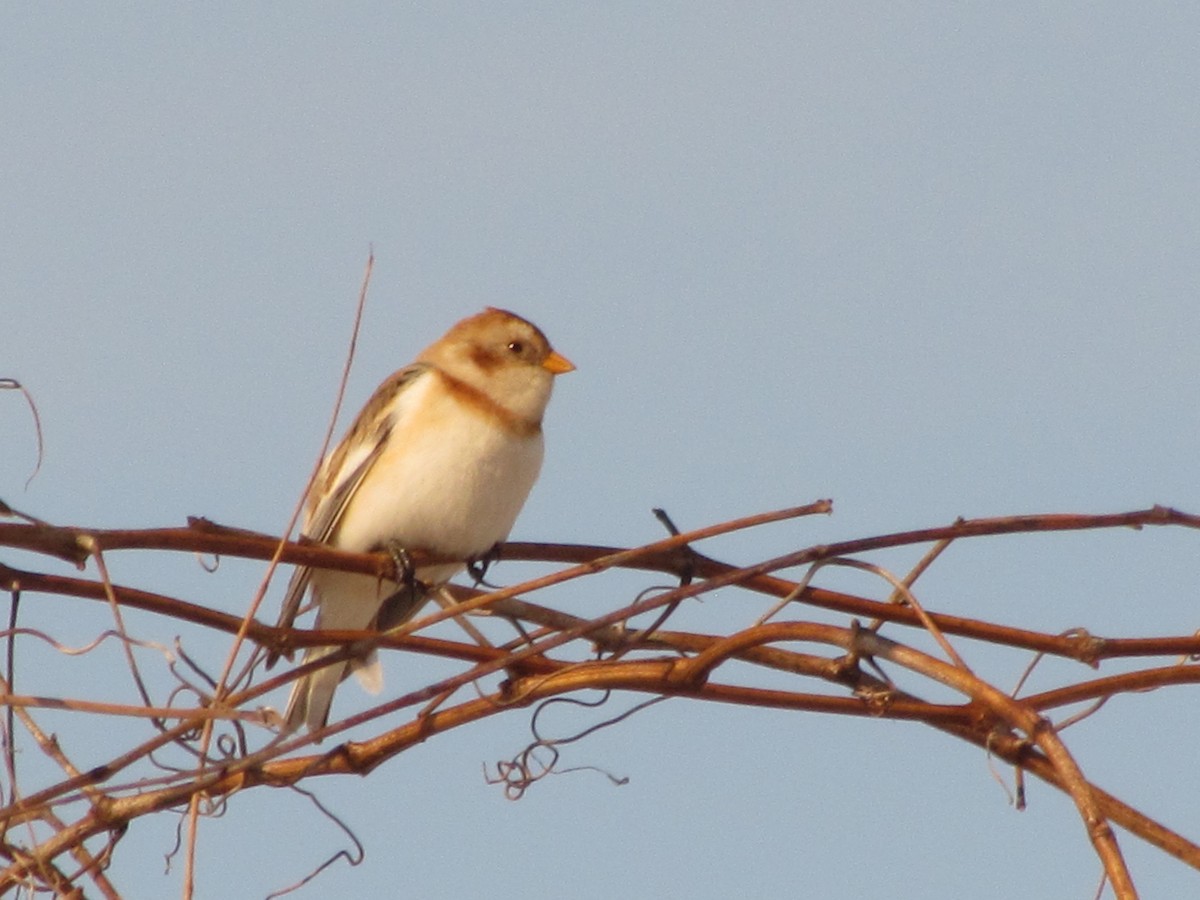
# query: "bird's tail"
[[312, 695]]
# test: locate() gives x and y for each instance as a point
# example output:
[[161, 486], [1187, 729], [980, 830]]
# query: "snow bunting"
[[441, 458]]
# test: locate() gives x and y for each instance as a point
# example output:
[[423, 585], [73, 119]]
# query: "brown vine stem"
[[650, 676], [657, 676], [982, 720], [966, 627], [1039, 730], [785, 660], [1036, 728], [29, 807], [1079, 646], [660, 556], [202, 536], [1124, 683], [50, 747]]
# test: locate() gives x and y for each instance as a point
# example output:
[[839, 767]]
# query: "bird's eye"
[[516, 347]]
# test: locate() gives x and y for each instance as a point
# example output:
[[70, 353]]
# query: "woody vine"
[[61, 833]]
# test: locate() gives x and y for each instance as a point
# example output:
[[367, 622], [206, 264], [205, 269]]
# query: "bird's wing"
[[343, 473]]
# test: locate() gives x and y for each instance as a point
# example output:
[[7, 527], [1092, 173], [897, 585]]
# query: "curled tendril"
[[11, 384]]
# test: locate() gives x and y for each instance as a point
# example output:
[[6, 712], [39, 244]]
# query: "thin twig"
[[240, 637]]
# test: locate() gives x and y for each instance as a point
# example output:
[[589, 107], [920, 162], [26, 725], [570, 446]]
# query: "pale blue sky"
[[929, 260]]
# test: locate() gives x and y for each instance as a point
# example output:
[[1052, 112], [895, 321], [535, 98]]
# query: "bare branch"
[[212, 741]]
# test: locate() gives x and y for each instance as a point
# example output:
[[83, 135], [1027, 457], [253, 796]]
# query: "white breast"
[[450, 480]]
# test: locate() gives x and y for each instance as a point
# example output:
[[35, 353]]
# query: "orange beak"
[[557, 364]]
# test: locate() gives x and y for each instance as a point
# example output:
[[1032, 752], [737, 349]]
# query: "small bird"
[[441, 458]]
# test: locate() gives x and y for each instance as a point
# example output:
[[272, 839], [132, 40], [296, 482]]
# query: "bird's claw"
[[406, 572], [478, 567]]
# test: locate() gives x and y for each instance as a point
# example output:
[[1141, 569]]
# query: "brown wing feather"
[[327, 506]]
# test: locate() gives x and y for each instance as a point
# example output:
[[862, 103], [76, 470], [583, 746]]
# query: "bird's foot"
[[478, 566], [406, 572]]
